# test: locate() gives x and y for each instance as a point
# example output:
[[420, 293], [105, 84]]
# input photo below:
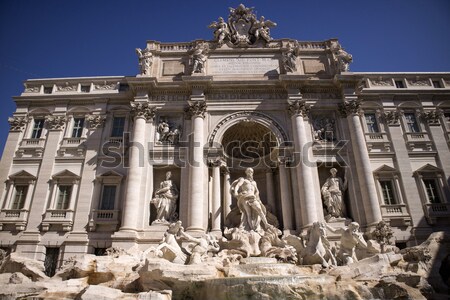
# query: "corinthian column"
[[142, 113], [308, 202], [215, 205], [350, 109], [197, 111]]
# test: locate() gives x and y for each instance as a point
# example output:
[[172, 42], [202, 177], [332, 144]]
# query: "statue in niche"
[[341, 57], [165, 200], [351, 238], [332, 191], [145, 60], [221, 31], [247, 194], [290, 57], [198, 57], [167, 134], [324, 129]]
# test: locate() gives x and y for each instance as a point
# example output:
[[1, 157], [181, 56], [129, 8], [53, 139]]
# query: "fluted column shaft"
[[365, 175], [286, 203], [226, 194], [215, 205]]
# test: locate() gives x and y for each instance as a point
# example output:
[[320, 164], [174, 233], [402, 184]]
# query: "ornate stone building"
[[86, 163]]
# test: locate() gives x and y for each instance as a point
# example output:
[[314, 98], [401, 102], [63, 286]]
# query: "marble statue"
[[317, 249], [169, 248], [261, 29], [166, 134], [165, 200], [199, 57], [351, 238], [199, 248], [290, 57], [145, 60], [324, 129], [342, 58], [221, 31], [253, 211], [332, 192]]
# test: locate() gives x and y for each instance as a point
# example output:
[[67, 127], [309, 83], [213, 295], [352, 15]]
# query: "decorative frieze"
[[432, 117], [17, 123], [96, 121], [106, 86], [424, 82], [56, 122], [143, 110], [32, 89], [349, 107], [67, 87], [381, 82], [391, 117], [196, 108], [298, 108]]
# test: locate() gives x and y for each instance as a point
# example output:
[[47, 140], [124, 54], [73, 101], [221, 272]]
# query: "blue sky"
[[51, 38]]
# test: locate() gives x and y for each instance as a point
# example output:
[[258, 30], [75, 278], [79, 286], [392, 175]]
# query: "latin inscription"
[[243, 65]]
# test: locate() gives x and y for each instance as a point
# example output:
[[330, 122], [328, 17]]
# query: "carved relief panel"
[[169, 129]]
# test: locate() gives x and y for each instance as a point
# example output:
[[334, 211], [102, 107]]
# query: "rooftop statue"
[[145, 61], [243, 29], [341, 57]]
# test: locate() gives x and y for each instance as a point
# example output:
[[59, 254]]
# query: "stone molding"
[[391, 117], [196, 109], [143, 110], [56, 122], [96, 121], [17, 123]]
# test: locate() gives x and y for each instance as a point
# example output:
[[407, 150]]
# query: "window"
[[411, 122], [20, 196], [48, 89], [108, 197], [118, 126], [37, 128], [437, 84], [387, 190], [77, 130], [51, 260], [399, 84], [64, 193], [431, 187], [85, 88], [371, 123]]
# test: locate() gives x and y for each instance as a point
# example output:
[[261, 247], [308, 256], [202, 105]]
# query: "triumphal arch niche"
[[245, 100]]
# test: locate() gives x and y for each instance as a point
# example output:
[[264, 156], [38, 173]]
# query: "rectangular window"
[[51, 261], [108, 197], [37, 128], [399, 84], [431, 187], [118, 126], [437, 84], [388, 192], [85, 88], [371, 122], [19, 196], [411, 122], [65, 191], [78, 124], [48, 89]]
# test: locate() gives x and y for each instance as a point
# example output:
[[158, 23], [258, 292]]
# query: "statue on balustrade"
[[165, 200], [145, 61], [253, 211], [332, 192]]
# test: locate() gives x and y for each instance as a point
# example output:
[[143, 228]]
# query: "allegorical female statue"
[[332, 192], [165, 200]]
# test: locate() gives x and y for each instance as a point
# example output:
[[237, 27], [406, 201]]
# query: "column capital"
[[216, 162], [17, 123], [350, 106], [432, 117], [143, 110], [56, 122], [298, 107], [96, 121], [196, 109], [391, 117]]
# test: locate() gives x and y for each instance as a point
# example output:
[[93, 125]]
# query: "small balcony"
[[377, 142], [109, 219], [418, 141], [16, 217], [72, 146], [61, 218], [31, 147], [397, 212], [434, 211]]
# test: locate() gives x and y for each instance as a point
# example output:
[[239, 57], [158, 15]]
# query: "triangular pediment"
[[429, 168], [384, 169], [110, 174], [22, 174], [65, 174]]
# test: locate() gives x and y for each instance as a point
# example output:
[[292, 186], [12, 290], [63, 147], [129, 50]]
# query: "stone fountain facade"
[[240, 146]]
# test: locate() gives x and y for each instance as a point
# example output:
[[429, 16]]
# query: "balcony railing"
[[62, 217], [417, 137], [434, 211], [377, 137], [104, 217], [394, 210], [17, 217], [72, 142]]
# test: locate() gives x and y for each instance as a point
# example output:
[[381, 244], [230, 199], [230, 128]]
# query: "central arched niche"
[[249, 141]]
